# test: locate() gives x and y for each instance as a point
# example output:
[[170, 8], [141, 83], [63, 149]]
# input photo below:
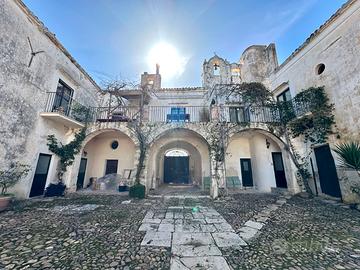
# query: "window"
[[284, 96], [114, 145], [176, 153], [216, 69], [178, 114], [320, 68], [63, 97]]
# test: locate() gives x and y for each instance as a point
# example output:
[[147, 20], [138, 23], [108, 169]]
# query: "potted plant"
[[8, 178], [349, 157]]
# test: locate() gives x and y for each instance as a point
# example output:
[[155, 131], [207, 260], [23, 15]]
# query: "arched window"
[[176, 153]]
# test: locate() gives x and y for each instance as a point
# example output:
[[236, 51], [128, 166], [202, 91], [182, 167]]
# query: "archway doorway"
[[176, 167]]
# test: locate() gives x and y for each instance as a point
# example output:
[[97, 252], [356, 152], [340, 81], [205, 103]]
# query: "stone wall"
[[23, 88]]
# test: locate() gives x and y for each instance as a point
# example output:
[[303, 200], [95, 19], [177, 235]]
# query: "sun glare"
[[172, 64]]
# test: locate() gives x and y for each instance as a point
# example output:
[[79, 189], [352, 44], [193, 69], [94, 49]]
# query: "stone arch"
[[97, 153], [164, 130], [189, 140], [259, 144], [111, 126]]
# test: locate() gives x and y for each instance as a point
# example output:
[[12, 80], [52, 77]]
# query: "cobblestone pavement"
[[102, 232]]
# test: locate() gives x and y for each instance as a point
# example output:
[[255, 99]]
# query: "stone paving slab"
[[208, 263], [158, 239], [228, 239], [195, 239], [149, 227], [254, 224], [195, 251], [247, 233]]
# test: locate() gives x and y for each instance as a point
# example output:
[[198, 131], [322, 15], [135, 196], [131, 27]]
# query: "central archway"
[[178, 156], [177, 166]]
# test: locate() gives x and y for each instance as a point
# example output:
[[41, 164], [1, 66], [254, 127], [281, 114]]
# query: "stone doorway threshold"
[[175, 190]]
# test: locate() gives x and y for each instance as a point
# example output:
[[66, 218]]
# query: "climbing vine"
[[309, 114], [66, 152]]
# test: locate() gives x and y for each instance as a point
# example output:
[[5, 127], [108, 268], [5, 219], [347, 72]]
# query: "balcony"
[[170, 114], [201, 114], [65, 110]]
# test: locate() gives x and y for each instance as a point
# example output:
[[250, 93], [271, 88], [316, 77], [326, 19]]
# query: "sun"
[[172, 64]]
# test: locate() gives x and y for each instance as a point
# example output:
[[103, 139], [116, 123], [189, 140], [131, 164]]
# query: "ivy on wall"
[[308, 114], [66, 152], [316, 126]]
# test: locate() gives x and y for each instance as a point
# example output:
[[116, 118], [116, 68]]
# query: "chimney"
[[157, 69]]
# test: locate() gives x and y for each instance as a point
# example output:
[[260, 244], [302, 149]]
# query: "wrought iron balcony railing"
[[64, 105]]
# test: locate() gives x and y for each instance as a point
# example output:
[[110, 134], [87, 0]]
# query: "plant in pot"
[[66, 154], [8, 178], [349, 157]]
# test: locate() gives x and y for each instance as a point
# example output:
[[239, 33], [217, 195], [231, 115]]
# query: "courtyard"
[[241, 231]]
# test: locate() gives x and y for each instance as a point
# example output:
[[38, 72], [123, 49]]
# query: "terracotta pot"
[[4, 202]]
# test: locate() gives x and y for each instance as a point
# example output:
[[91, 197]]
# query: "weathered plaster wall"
[[338, 47], [257, 63], [23, 89]]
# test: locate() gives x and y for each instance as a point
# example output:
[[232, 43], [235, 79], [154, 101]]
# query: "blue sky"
[[113, 38]]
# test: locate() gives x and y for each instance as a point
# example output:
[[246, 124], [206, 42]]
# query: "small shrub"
[[12, 175], [137, 191]]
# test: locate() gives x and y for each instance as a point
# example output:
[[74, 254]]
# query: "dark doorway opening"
[[41, 173], [329, 181], [176, 170], [246, 172], [111, 166], [279, 170], [81, 174]]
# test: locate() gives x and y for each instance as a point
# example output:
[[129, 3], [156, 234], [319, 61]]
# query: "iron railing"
[[117, 114], [283, 112], [66, 105], [194, 114]]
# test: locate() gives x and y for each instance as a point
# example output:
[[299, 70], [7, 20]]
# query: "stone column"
[[217, 176]]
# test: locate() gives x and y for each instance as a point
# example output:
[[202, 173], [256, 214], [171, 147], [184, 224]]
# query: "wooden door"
[[81, 174], [246, 172], [41, 173], [279, 170], [329, 181], [176, 170]]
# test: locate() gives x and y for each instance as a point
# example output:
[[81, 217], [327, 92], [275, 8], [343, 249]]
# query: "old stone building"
[[42, 86]]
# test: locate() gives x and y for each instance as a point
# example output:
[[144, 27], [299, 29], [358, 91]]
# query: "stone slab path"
[[195, 236]]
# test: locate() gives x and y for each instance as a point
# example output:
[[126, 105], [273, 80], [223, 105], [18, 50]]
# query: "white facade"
[[180, 117]]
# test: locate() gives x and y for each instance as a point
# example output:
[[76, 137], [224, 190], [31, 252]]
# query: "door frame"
[[189, 180], [242, 175], [77, 179], [282, 162], [317, 181], [47, 174]]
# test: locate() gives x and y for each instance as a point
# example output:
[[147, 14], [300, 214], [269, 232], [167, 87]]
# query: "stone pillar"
[[70, 177], [217, 176]]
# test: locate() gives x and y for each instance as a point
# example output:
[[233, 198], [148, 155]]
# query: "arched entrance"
[[106, 152], [258, 160], [178, 156], [176, 167]]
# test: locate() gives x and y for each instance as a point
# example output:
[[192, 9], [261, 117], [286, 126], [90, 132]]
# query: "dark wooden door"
[[329, 181], [111, 166], [41, 173], [279, 170], [81, 174], [176, 170], [246, 172]]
